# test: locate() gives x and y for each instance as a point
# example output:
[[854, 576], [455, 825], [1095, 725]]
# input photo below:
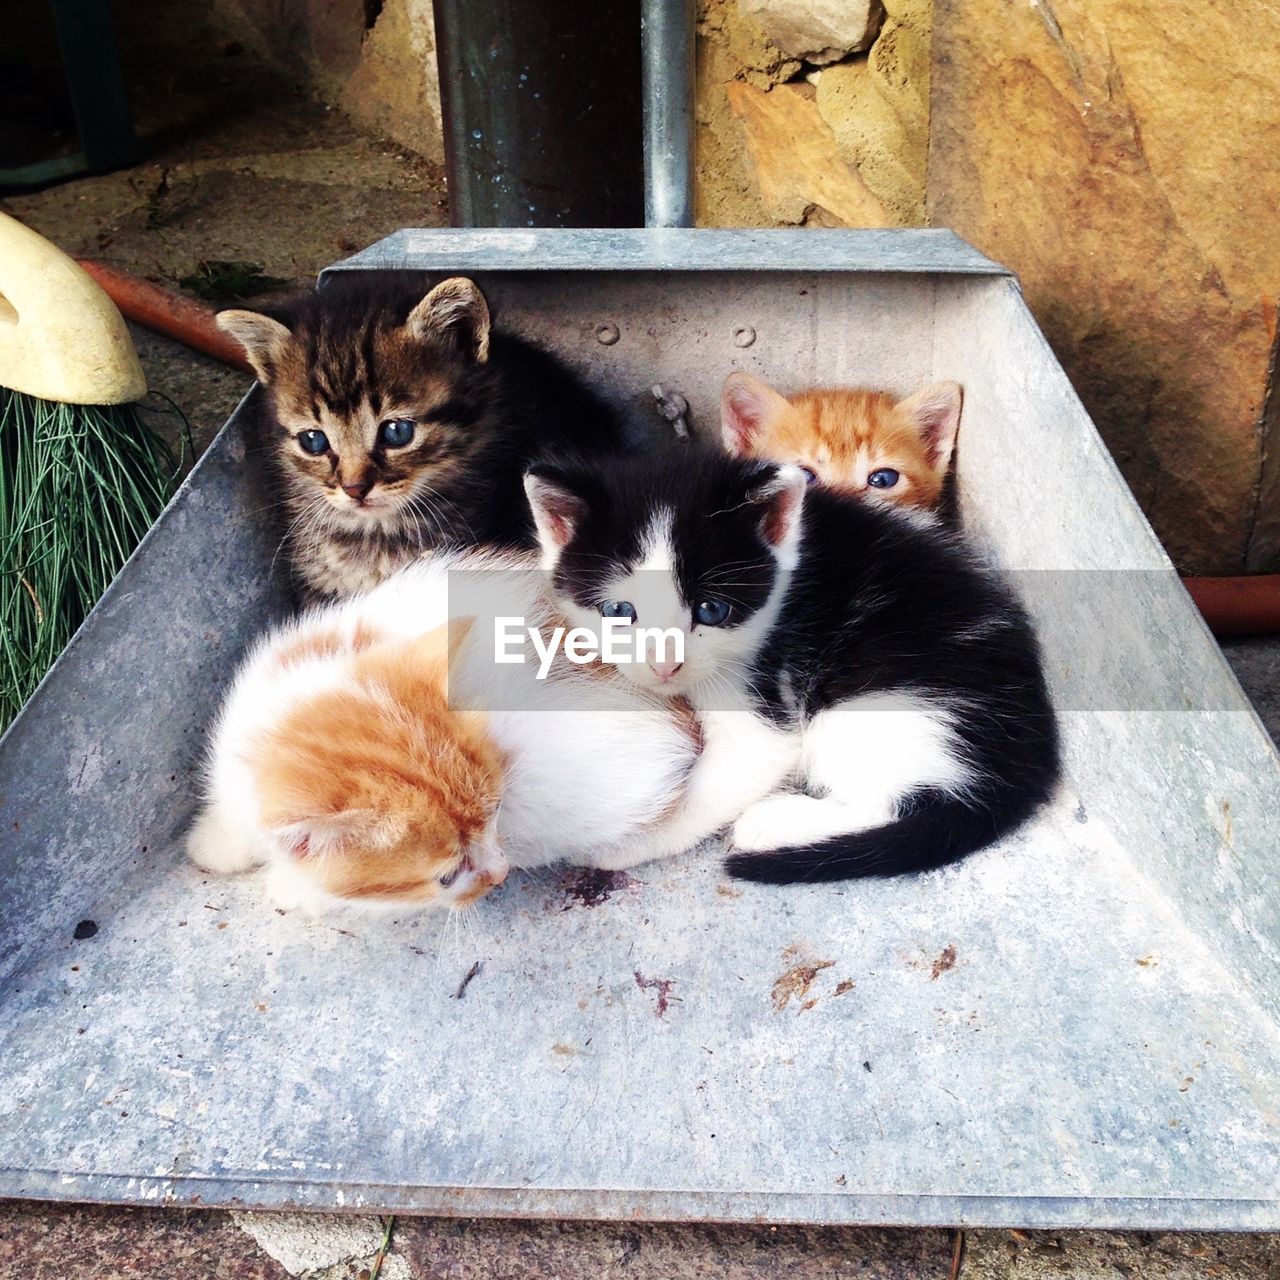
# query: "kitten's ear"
[[455, 310], [936, 413], [459, 630], [778, 494], [557, 509], [331, 834], [447, 639], [748, 407], [264, 340]]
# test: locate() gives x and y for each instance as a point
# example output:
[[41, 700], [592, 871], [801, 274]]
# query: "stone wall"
[[1123, 156], [374, 59], [812, 112]]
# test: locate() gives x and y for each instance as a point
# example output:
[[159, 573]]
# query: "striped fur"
[[366, 350], [868, 444]]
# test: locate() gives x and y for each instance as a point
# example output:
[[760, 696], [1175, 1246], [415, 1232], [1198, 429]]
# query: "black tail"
[[932, 830]]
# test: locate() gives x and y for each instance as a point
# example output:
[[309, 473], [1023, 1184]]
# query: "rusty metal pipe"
[[1247, 606], [155, 307]]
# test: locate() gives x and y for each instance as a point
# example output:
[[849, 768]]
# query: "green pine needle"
[[79, 486]]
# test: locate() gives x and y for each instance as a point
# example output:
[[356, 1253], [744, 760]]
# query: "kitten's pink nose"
[[495, 872], [665, 670], [488, 863], [357, 491]]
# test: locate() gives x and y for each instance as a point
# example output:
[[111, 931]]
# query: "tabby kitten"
[[402, 421], [856, 652], [373, 754], [866, 443]]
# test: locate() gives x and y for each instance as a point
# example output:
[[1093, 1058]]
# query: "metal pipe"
[[451, 64], [542, 114], [667, 46]]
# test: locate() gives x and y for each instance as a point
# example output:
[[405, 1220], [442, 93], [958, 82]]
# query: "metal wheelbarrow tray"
[[1079, 1026]]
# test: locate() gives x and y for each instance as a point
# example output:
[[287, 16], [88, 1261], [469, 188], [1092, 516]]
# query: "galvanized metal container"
[[1081, 1025]]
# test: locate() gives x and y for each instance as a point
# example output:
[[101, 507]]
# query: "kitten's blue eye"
[[618, 609], [883, 478], [395, 433], [810, 474], [710, 613], [314, 442]]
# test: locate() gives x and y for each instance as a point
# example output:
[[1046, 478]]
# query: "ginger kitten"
[[373, 754], [340, 765], [401, 420], [865, 443]]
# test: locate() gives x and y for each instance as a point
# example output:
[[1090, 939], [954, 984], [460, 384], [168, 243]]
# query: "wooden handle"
[[61, 338], [176, 316]]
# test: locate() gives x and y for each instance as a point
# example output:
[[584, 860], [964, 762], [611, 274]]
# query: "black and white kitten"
[[401, 420], [863, 655]]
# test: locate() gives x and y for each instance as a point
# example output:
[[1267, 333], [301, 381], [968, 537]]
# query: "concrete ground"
[[39, 1243], [241, 167], [1257, 667]]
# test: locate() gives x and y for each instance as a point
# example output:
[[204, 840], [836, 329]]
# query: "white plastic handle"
[[61, 337]]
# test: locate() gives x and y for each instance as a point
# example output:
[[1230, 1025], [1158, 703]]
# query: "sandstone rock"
[[797, 162], [911, 13], [1264, 541], [899, 62], [742, 42], [817, 30], [876, 109], [725, 193], [887, 144], [1125, 160], [384, 74], [395, 87]]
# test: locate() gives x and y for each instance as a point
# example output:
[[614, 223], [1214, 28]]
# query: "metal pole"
[[541, 112], [667, 43]]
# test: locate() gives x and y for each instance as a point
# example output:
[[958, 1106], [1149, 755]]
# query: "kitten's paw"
[[221, 846], [618, 858], [788, 820], [772, 823], [289, 890]]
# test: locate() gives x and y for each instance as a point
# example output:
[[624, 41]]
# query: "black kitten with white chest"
[[853, 651]]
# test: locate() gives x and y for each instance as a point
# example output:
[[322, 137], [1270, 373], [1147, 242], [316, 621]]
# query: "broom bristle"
[[79, 486]]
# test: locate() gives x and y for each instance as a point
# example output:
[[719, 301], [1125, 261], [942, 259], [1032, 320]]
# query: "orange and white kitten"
[[865, 443], [372, 753]]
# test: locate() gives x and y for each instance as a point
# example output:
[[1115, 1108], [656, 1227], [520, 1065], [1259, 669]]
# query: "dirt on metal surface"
[[945, 962], [794, 982], [591, 886]]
